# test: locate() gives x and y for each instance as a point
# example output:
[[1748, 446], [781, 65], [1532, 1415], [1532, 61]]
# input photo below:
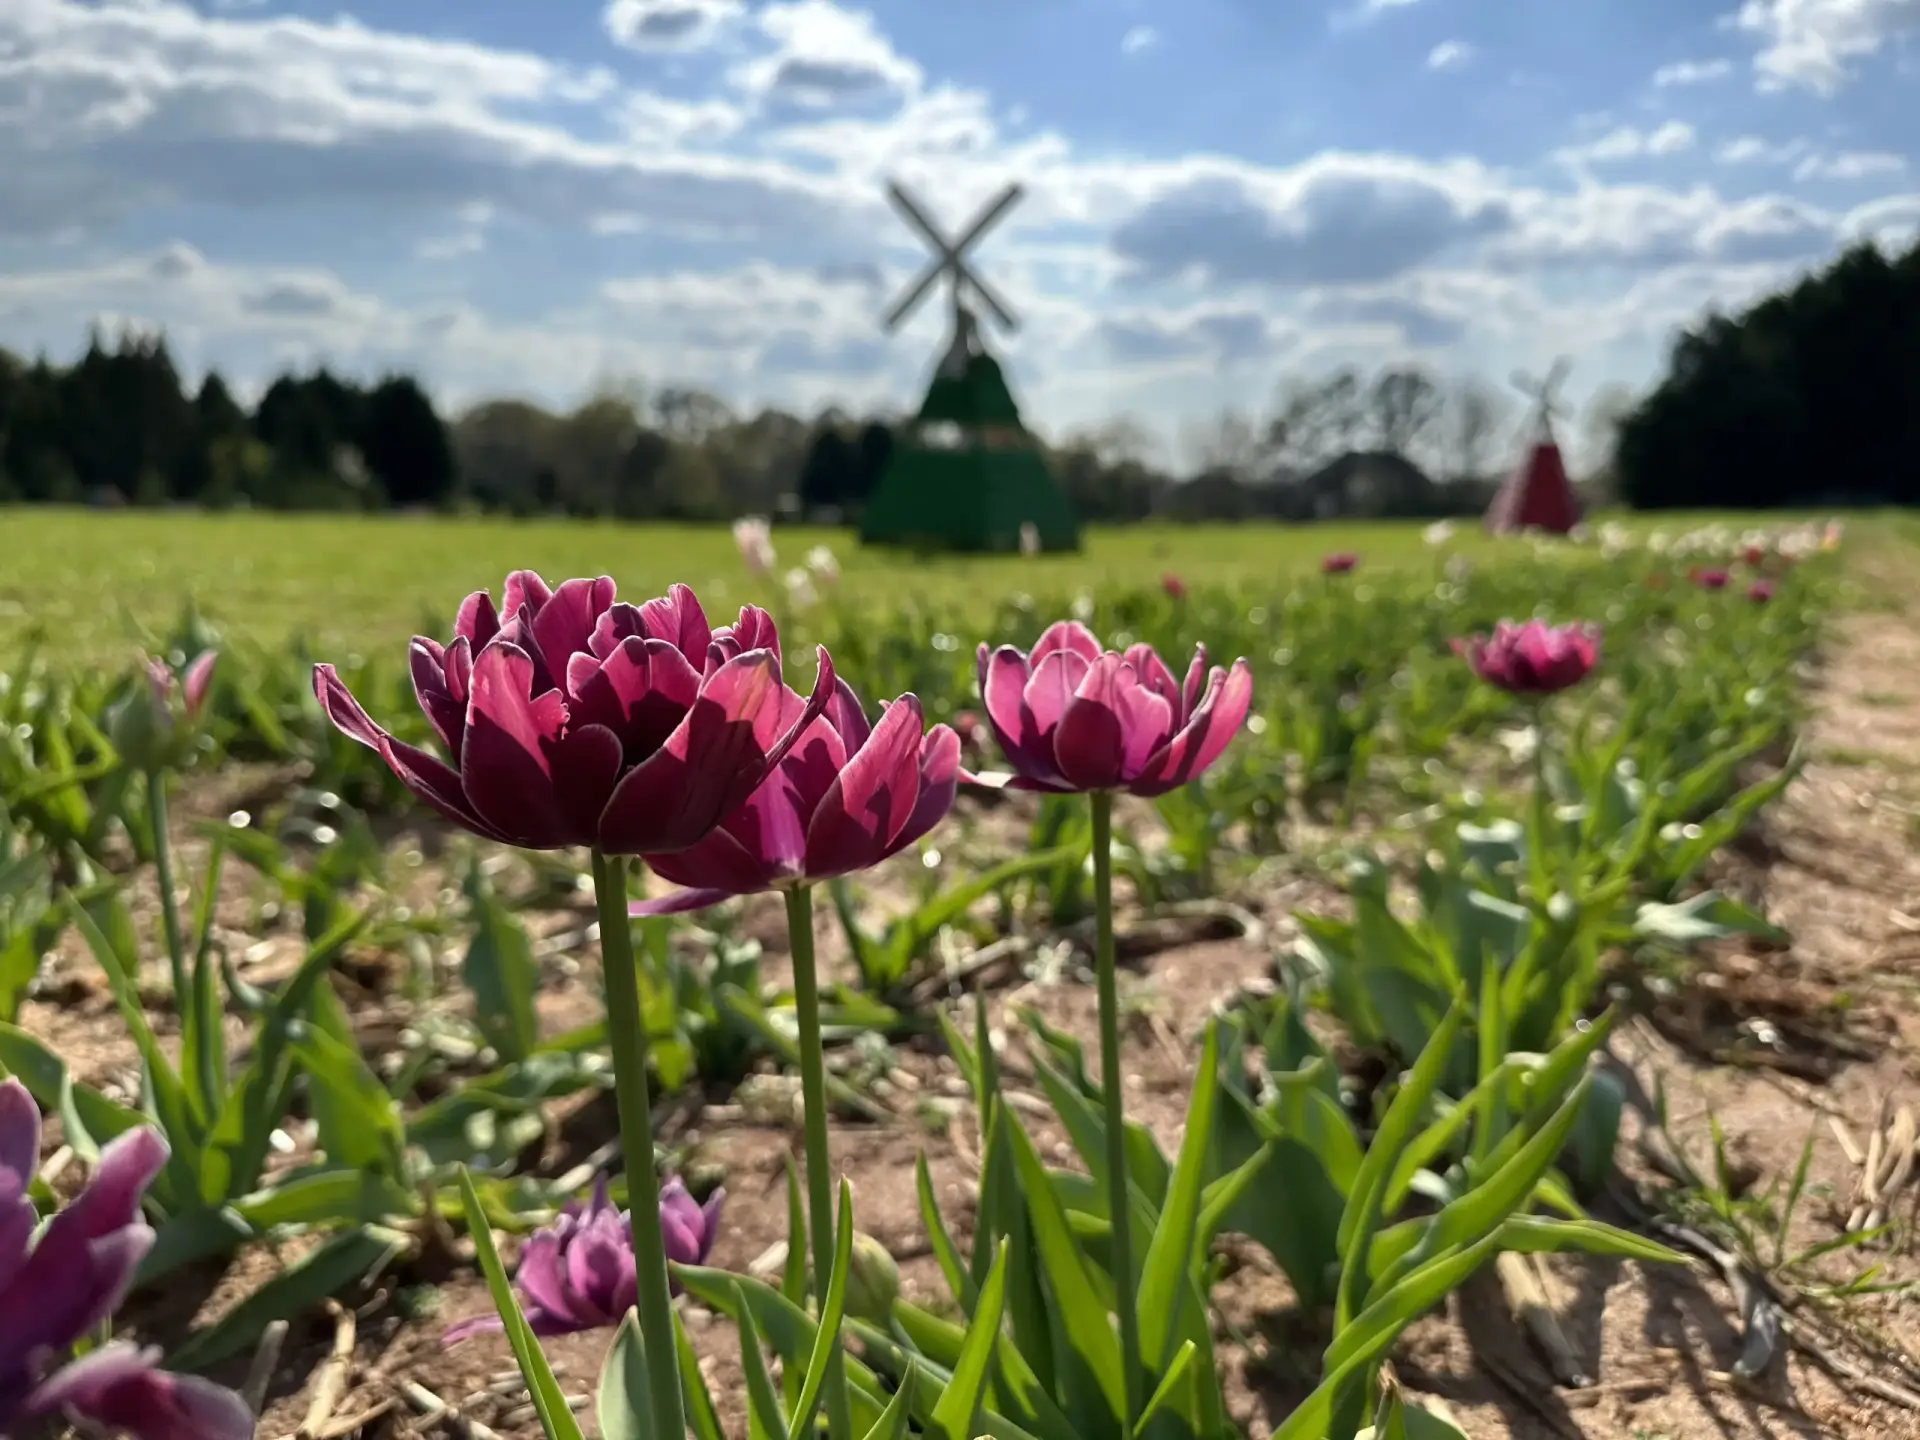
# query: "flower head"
[[1710, 579], [572, 719], [1438, 533], [1760, 592], [1174, 586], [1755, 556], [824, 565], [1340, 562], [1534, 658], [1831, 536], [146, 726], [578, 1273], [55, 1292], [1070, 717], [754, 537], [848, 795]]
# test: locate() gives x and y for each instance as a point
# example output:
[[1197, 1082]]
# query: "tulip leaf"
[[959, 1281], [750, 1011], [88, 1119], [203, 1051], [549, 1403], [1166, 1283], [1171, 1380], [343, 1260], [621, 1401], [958, 1409], [892, 1424], [764, 1420], [359, 1124], [329, 1197], [833, 1309], [191, 1238], [500, 970]]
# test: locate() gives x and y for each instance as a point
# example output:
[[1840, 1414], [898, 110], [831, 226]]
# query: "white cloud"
[[825, 55], [1364, 12], [1752, 150], [1139, 38], [1850, 165], [1692, 72], [1449, 55], [1816, 44], [668, 24], [1627, 142]]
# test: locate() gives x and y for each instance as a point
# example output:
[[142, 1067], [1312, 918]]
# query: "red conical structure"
[[1538, 495]]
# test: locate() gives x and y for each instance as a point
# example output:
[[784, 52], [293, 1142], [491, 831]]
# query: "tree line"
[[1811, 396]]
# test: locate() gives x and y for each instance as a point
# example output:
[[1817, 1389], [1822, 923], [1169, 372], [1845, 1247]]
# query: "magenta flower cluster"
[[54, 1292]]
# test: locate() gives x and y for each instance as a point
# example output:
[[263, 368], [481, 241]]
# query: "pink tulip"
[[577, 720], [846, 797], [193, 689], [1174, 586], [1534, 658], [1070, 717], [1339, 563], [1710, 579], [1760, 592]]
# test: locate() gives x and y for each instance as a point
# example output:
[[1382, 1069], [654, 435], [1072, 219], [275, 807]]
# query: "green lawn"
[[88, 579]]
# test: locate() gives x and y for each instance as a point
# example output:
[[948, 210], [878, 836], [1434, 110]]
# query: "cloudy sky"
[[534, 198]]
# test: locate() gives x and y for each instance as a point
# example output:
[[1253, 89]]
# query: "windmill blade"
[[987, 217], [1525, 384], [1556, 377], [964, 272], [916, 292], [920, 221]]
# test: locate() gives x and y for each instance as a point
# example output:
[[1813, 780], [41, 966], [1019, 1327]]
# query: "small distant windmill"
[[1538, 495], [965, 472]]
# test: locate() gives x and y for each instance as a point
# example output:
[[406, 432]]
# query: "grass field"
[[89, 580]]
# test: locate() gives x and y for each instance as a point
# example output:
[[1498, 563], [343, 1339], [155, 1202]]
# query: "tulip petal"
[[19, 1131], [566, 622], [726, 862], [939, 780], [1055, 679], [870, 801], [118, 1389], [1147, 721], [677, 618], [780, 728], [586, 766], [542, 1276], [506, 769], [684, 902], [1152, 672], [1090, 742], [199, 677], [682, 790], [76, 1280], [1068, 635], [1196, 683], [1206, 735], [427, 776], [525, 591], [477, 621], [427, 661], [848, 716], [641, 692], [710, 1222], [1005, 678]]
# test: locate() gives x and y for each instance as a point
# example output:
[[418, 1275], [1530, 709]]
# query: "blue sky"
[[538, 199]]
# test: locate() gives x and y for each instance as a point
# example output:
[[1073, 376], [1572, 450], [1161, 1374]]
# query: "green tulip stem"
[[813, 1096], [627, 1035], [169, 903], [1119, 1211]]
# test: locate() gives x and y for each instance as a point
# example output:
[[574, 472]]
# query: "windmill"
[[1538, 495], [965, 473]]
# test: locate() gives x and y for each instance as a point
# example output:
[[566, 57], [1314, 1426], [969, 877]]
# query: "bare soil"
[[1774, 1045]]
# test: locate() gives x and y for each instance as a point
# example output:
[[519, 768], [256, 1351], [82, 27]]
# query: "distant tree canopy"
[[1810, 397], [118, 426]]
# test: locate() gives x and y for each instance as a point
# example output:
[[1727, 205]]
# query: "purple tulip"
[[847, 796], [1070, 717], [1760, 592], [577, 720], [1534, 658], [193, 687], [1340, 562], [55, 1292], [1710, 579], [578, 1273]]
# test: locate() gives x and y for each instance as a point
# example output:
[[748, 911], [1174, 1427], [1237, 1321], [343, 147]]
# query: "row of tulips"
[[572, 718]]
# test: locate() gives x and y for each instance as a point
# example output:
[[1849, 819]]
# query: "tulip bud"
[[874, 1282], [144, 728]]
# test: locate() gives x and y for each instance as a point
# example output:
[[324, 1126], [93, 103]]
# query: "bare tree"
[[1404, 402], [1315, 421], [1227, 444], [1476, 414], [1600, 424]]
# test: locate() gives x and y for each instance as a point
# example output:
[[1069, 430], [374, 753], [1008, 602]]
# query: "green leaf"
[[330, 1197], [1166, 1274], [1171, 1380], [892, 1424], [959, 1281], [88, 1119], [500, 970], [764, 1420], [1707, 916], [358, 1121], [621, 1402], [956, 1414], [549, 1403], [1082, 1316], [793, 1278], [203, 1048], [827, 1338], [702, 1419], [344, 1260]]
